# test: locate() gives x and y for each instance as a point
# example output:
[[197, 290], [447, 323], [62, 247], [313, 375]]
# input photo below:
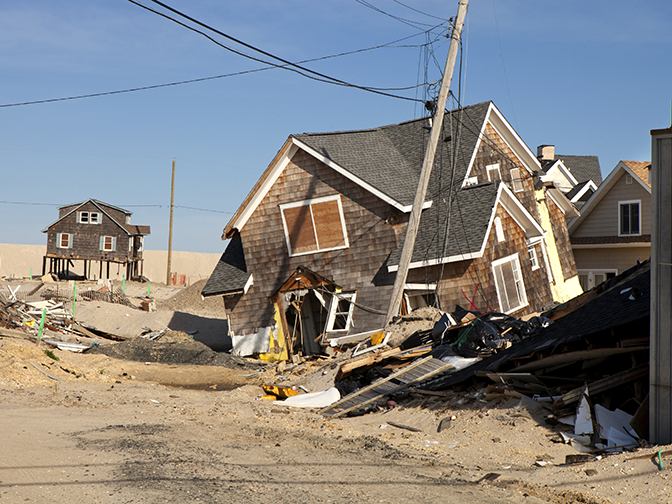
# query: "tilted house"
[[315, 246], [94, 232], [613, 232]]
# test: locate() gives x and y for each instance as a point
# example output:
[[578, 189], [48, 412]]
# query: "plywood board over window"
[[315, 225]]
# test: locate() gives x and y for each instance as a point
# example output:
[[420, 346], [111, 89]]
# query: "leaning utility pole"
[[414, 220], [170, 230]]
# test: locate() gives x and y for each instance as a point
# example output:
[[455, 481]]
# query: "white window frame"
[[324, 199], [88, 218], [499, 230], [59, 240], [591, 275], [331, 319], [534, 259], [491, 168], [472, 181], [628, 179], [630, 202], [516, 180], [102, 244], [520, 284]]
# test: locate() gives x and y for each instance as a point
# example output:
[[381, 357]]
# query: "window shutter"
[[499, 230], [114, 244], [101, 245], [70, 240], [58, 240], [516, 181]]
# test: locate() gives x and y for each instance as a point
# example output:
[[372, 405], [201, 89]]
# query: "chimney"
[[546, 152]]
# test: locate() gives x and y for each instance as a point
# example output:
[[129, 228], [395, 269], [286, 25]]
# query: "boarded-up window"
[[509, 284], [493, 172], [314, 226]]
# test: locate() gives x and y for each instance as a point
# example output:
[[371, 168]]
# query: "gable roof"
[[129, 229], [467, 222], [641, 169], [386, 161], [230, 275], [582, 167], [603, 190]]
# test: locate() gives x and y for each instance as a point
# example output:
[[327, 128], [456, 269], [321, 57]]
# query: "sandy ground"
[[117, 431]]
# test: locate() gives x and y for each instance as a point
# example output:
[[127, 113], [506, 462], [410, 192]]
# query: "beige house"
[[613, 231]]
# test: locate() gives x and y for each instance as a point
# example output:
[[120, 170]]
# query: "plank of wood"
[[368, 360], [570, 357], [603, 385], [39, 368]]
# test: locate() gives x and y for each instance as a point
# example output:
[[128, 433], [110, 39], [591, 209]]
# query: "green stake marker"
[[31, 273], [149, 289], [123, 283], [39, 334], [74, 295]]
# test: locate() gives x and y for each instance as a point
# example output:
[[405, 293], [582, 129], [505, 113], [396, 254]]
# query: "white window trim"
[[535, 262], [511, 258], [89, 217], [102, 244], [471, 181], [313, 201], [590, 273], [352, 296], [516, 180], [630, 202], [493, 167], [59, 237]]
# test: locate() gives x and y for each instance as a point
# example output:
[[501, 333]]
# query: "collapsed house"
[[94, 232], [315, 246]]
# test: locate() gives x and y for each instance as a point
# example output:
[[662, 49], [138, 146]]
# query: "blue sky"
[[590, 77]]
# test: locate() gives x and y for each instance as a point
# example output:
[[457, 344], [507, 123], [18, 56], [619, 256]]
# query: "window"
[[499, 230], [509, 284], [629, 218], [89, 218], [314, 226], [628, 179], [516, 180], [591, 278], [108, 243], [471, 181], [532, 252], [493, 172], [340, 311], [63, 240]]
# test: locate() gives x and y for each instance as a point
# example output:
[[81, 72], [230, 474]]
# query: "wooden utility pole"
[[414, 219], [170, 230]]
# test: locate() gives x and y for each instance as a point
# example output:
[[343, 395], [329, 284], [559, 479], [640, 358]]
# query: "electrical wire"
[[413, 24], [232, 74], [501, 54], [420, 12], [287, 65]]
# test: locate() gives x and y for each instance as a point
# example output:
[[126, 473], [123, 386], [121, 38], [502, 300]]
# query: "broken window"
[[493, 172], [340, 311], [509, 284], [314, 226], [629, 218], [64, 240], [108, 243], [516, 180]]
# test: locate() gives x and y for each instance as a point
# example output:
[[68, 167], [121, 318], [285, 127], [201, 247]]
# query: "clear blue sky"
[[590, 77]]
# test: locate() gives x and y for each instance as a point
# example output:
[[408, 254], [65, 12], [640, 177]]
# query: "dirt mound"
[[189, 300], [175, 350]]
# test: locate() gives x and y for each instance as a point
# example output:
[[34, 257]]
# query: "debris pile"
[[586, 363]]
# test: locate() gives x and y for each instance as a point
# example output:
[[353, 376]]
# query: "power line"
[[121, 206], [408, 22], [287, 65], [420, 12]]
